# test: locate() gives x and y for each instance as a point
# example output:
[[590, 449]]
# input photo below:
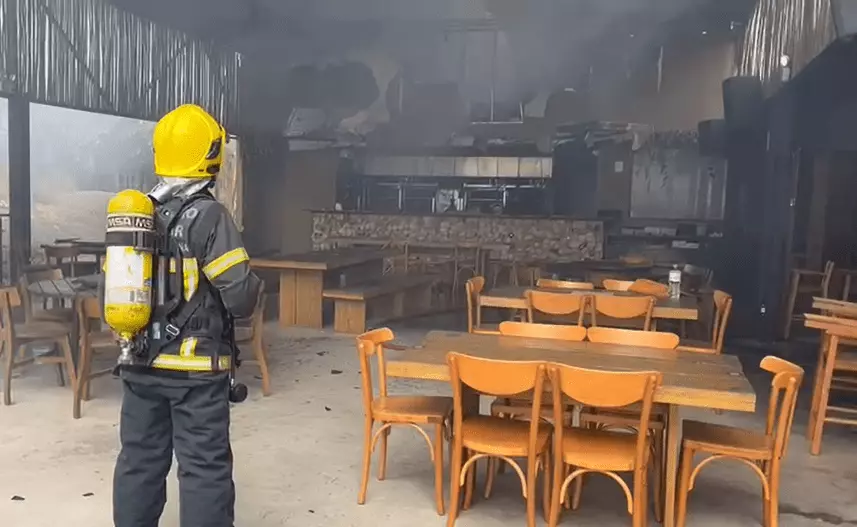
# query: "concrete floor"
[[297, 458]]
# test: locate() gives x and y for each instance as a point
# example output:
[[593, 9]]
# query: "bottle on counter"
[[675, 282]]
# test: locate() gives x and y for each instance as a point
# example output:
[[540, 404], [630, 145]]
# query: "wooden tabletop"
[[323, 260], [512, 297], [65, 288], [690, 379], [82, 247]]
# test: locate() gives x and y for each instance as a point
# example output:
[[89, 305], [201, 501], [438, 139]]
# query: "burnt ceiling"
[[331, 26]]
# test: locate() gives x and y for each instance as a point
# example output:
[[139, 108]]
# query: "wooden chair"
[[617, 285], [633, 337], [627, 418], [564, 284], [467, 264], [798, 285], [543, 331], [519, 407], [561, 308], [474, 288], [251, 331], [723, 308], [16, 338], [836, 372], [43, 312], [622, 310], [581, 451], [650, 287], [389, 411], [63, 257], [477, 436], [762, 452], [93, 339]]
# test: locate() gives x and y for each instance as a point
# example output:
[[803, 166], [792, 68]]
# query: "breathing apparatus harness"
[[173, 315]]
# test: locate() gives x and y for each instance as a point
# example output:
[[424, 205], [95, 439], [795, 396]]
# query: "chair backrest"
[[634, 337], [825, 280], [371, 344], [623, 307], [722, 310], [543, 331], [604, 389], [617, 285], [62, 255], [565, 284], [88, 310], [650, 287], [31, 277], [782, 403], [474, 287], [498, 378], [556, 305]]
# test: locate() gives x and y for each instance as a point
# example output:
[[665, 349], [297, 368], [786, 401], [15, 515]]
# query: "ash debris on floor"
[[297, 456]]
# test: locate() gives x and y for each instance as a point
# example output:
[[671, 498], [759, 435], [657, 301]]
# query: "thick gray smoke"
[[540, 44]]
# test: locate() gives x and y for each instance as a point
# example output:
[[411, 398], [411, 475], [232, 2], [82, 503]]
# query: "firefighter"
[[176, 398]]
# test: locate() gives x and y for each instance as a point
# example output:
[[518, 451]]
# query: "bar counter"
[[545, 238]]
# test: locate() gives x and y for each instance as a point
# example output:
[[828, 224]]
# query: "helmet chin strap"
[[170, 188]]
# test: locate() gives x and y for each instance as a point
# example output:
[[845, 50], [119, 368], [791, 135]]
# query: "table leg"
[[288, 287], [309, 286], [672, 453]]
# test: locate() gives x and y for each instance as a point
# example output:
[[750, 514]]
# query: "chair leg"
[[382, 463], [772, 506], [470, 481], [532, 478], [823, 398], [578, 490], [659, 482], [684, 487], [455, 482], [642, 513], [438, 468], [60, 376], [7, 374], [558, 471], [489, 476], [790, 306], [82, 388], [65, 345], [367, 461], [262, 359], [816, 387], [546, 484]]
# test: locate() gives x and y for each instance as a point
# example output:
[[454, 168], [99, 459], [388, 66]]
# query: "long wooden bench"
[[384, 299]]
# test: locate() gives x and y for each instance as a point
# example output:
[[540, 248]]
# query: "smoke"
[[77, 161]]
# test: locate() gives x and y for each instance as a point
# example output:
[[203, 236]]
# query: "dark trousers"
[[191, 416]]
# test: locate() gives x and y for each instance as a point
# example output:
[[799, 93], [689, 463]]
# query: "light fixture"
[[786, 73], [705, 32]]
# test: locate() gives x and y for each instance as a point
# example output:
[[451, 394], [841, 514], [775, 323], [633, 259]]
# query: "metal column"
[[20, 209]]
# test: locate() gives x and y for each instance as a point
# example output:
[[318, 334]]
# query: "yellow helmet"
[[188, 143]]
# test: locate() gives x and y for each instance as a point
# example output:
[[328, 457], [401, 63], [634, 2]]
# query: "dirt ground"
[[297, 457]]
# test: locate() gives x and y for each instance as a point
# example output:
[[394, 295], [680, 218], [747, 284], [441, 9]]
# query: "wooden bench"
[[388, 298]]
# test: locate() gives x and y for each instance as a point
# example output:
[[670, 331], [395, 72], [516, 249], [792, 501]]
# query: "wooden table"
[[302, 279], [512, 297], [689, 379]]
